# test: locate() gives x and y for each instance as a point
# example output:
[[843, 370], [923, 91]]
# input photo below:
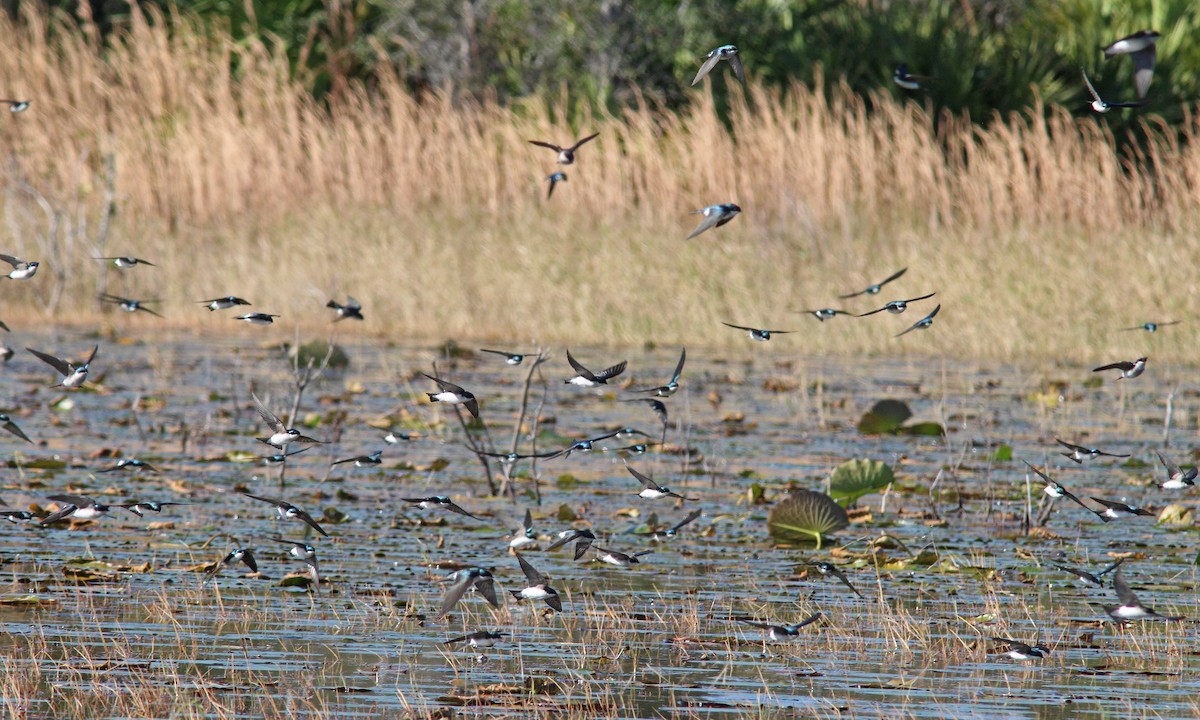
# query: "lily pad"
[[806, 515], [884, 417], [855, 478], [1175, 515]]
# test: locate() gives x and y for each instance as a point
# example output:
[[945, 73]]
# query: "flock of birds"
[[286, 441]]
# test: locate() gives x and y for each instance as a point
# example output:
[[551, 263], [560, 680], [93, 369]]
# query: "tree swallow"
[[1151, 326], [223, 303], [130, 464], [257, 318], [525, 534], [395, 437], [281, 435], [1084, 577], [1018, 650], [126, 262], [714, 216], [1130, 608], [828, 569], [513, 457], [586, 378], [128, 305], [281, 458], [566, 156], [1055, 490], [79, 507], [452, 394], [825, 313], [375, 458], [21, 270], [6, 423], [728, 53], [239, 554], [142, 507], [585, 445], [16, 106], [620, 559], [1079, 452], [583, 540], [1177, 479], [439, 501], [463, 580], [554, 179], [876, 288], [923, 323], [1098, 103], [896, 307], [288, 511], [782, 633], [352, 309], [1114, 510], [510, 358], [907, 80], [756, 333], [478, 639], [669, 389], [661, 535], [1141, 49], [73, 375], [305, 553], [537, 588], [652, 490], [1128, 369]]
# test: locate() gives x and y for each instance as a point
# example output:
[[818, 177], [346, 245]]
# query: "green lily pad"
[[855, 478], [806, 516], [1004, 453], [884, 417], [925, 429]]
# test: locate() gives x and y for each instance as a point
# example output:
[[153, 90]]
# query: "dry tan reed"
[[1039, 236]]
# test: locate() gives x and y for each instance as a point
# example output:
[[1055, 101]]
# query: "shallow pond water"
[[117, 617]]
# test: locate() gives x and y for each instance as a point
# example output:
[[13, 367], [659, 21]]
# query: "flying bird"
[[21, 270], [583, 540], [554, 179], [127, 304], [566, 156], [351, 310], [714, 217], [1114, 510], [439, 501], [1129, 369], [923, 323], [452, 394], [652, 490], [1151, 326], [876, 288], [126, 262], [223, 303], [1177, 478], [896, 307], [828, 569], [257, 318], [538, 589], [1141, 49], [510, 358], [1018, 650], [907, 80], [1083, 577], [669, 389], [7, 424], [728, 53], [782, 633], [73, 375], [826, 313], [288, 511], [587, 378], [1129, 607], [281, 435], [1079, 452], [16, 106], [463, 580], [1099, 104], [757, 333]]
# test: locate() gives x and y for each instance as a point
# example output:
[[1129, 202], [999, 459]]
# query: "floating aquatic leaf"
[[566, 514], [316, 352], [1175, 515], [40, 464], [855, 478], [1004, 453], [925, 429], [885, 416], [806, 515], [26, 600]]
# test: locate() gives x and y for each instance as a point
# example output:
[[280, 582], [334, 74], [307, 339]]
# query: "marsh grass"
[[1037, 234]]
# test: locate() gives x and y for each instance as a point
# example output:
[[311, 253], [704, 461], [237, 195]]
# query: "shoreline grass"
[[1039, 238]]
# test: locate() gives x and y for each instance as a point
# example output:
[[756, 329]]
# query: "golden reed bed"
[[1038, 236]]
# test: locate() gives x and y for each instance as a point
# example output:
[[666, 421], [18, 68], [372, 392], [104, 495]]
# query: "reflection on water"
[[656, 639]]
